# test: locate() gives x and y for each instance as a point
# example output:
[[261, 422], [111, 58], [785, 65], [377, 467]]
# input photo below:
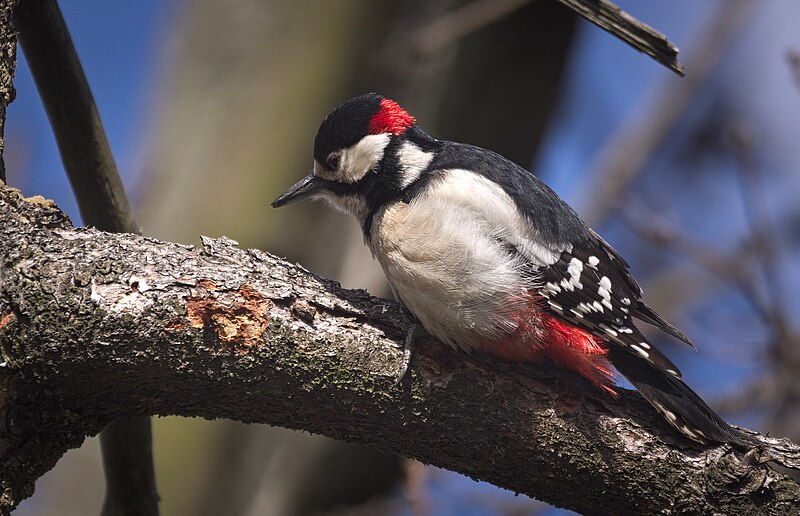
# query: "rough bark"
[[96, 326], [8, 62]]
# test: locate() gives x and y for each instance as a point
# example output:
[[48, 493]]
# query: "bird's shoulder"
[[553, 220]]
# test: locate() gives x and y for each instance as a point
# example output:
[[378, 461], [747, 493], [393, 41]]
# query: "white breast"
[[444, 256]]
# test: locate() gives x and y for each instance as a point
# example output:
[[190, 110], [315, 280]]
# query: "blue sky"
[[119, 44]]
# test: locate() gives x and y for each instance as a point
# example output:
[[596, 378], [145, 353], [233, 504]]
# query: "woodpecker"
[[488, 258]]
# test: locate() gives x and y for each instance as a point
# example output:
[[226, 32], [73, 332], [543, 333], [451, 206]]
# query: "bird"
[[489, 259]]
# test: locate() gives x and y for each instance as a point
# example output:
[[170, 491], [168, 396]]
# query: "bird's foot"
[[414, 331]]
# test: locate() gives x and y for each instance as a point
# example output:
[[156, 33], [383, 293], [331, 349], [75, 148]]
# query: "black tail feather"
[[648, 315], [676, 402]]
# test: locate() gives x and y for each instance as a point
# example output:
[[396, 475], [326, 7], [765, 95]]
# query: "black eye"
[[333, 162]]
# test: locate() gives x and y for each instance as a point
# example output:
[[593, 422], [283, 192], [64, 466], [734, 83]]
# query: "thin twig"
[[478, 14], [767, 247], [780, 387], [87, 158], [762, 392], [416, 480], [762, 227], [661, 231]]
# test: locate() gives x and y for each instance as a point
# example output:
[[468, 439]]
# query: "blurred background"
[[211, 108]]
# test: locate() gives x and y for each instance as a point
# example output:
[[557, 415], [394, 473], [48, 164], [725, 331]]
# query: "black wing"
[[638, 308], [592, 289]]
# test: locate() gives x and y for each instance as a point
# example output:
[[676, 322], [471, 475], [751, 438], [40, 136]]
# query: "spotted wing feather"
[[638, 308], [594, 291]]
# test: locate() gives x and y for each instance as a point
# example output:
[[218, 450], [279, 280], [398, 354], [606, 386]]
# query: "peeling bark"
[[96, 326]]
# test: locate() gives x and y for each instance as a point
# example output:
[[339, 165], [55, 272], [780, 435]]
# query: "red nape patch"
[[578, 350], [391, 118]]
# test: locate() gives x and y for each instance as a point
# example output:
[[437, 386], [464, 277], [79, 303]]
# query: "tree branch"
[[477, 14], [640, 36], [8, 62], [96, 326], [73, 115], [793, 58]]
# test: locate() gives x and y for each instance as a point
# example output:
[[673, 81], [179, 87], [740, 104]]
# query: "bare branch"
[[742, 267], [73, 115], [761, 392], [8, 62], [763, 229], [96, 326], [640, 36], [768, 250], [731, 266], [478, 14], [660, 230]]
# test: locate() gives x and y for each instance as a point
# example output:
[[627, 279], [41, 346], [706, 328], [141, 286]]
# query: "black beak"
[[302, 189]]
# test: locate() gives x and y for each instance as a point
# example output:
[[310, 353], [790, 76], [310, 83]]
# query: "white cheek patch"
[[359, 159]]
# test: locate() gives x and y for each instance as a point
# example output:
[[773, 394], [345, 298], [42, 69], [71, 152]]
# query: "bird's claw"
[[413, 330]]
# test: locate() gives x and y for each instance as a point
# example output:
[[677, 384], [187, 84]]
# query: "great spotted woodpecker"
[[489, 258]]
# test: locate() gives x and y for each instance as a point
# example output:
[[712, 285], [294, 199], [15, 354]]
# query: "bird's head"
[[366, 152]]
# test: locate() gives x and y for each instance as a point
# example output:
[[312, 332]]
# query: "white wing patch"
[[604, 291], [552, 288], [638, 349], [589, 293], [495, 208]]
